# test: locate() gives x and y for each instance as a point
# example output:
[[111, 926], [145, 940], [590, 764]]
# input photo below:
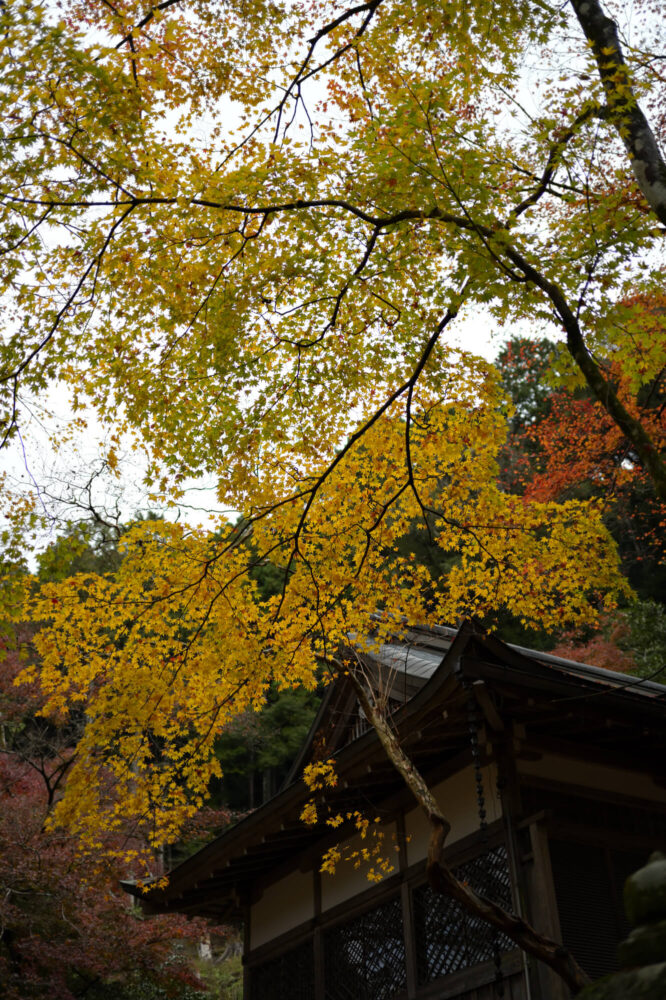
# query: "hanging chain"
[[473, 729]]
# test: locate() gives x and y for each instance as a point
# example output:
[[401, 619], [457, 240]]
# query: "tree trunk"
[[625, 112]]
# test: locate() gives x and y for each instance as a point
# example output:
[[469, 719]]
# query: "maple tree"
[[582, 454], [269, 303], [563, 444]]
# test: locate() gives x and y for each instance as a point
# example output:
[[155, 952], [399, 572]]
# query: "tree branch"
[[146, 19], [13, 376], [555, 156], [304, 72], [311, 493]]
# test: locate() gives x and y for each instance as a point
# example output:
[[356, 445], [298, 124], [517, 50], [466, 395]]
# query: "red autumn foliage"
[[600, 651], [578, 443], [65, 924]]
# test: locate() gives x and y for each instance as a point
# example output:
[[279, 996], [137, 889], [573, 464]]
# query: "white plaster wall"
[[349, 881], [457, 799], [283, 905], [290, 901], [590, 775]]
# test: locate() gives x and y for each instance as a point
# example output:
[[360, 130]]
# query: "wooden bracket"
[[487, 706]]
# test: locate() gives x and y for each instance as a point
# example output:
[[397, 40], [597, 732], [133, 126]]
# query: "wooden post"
[[543, 911], [317, 941], [508, 787], [247, 910], [407, 911]]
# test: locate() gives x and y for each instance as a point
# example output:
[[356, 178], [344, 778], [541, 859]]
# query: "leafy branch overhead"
[[246, 234]]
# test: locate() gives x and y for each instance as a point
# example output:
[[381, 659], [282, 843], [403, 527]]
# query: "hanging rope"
[[473, 729]]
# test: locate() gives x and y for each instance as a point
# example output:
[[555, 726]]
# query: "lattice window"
[[290, 975], [365, 958], [449, 939]]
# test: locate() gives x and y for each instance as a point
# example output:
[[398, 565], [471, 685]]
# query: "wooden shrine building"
[[573, 772]]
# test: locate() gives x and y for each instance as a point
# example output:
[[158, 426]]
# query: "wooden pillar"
[[531, 871], [247, 911], [502, 749], [407, 911], [543, 911], [317, 940]]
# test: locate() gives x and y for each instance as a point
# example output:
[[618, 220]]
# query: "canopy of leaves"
[[242, 232]]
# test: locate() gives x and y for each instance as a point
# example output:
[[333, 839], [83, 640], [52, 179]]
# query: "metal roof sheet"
[[412, 659], [423, 648]]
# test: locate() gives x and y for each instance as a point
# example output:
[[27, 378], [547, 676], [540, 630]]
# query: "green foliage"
[[257, 748], [527, 371], [142, 986], [223, 978], [645, 638], [87, 547], [636, 520], [82, 547]]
